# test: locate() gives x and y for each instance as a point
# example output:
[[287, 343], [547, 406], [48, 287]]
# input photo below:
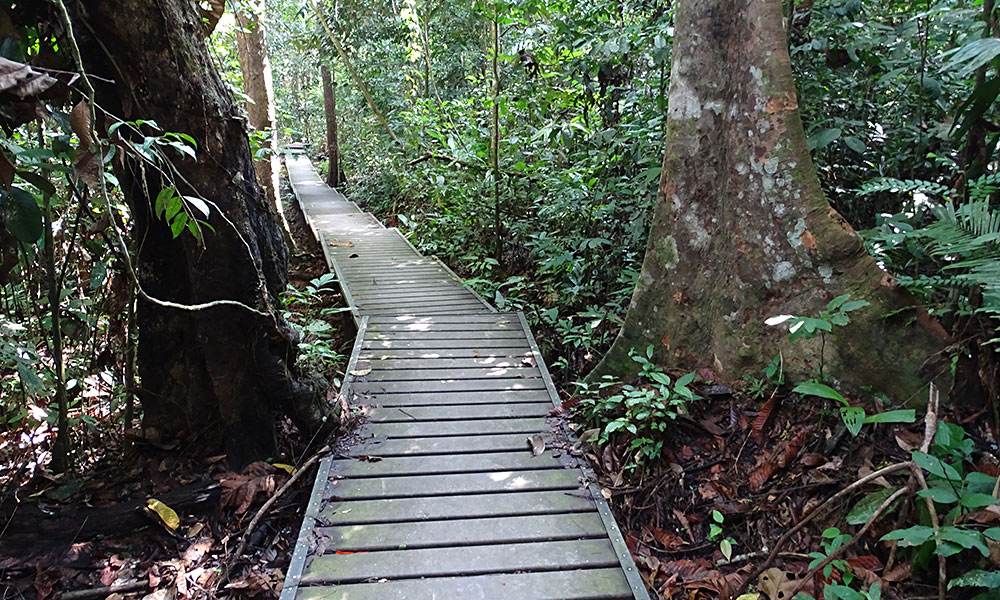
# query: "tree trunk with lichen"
[[258, 84], [742, 231], [214, 378]]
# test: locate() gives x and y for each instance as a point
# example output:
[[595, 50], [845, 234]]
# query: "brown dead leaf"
[[763, 416], [667, 540], [196, 551], [761, 475], [665, 340], [777, 584], [341, 244], [239, 491], [900, 572], [792, 448]]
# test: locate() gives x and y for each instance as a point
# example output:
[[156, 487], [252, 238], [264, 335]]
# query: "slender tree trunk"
[[61, 450], [495, 136], [216, 377], [333, 176], [362, 86], [742, 231], [251, 45]]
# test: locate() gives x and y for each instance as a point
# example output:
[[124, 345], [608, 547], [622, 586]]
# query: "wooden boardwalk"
[[442, 498]]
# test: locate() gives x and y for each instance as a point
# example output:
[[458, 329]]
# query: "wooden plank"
[[481, 309], [463, 532], [494, 362], [468, 444], [483, 345], [589, 584], [422, 429], [457, 297], [450, 463], [396, 510], [457, 412], [446, 385], [514, 334], [455, 483], [435, 327], [436, 353], [465, 560], [410, 294], [491, 318], [383, 373]]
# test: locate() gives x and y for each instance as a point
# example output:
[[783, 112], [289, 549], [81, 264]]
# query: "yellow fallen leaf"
[[749, 597], [166, 513], [360, 372], [288, 468]]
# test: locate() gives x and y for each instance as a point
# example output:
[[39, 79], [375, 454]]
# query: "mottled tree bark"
[[742, 230], [215, 377], [333, 177], [258, 84]]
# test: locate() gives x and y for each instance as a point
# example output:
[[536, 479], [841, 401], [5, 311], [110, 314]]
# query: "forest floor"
[[92, 534]]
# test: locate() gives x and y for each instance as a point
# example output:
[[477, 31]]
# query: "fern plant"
[[947, 255]]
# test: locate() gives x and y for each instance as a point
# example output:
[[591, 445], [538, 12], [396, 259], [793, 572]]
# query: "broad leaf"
[[21, 215]]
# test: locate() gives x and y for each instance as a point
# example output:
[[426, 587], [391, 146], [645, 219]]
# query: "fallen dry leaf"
[[537, 444]]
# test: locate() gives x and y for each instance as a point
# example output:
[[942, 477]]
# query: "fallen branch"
[[98, 592]]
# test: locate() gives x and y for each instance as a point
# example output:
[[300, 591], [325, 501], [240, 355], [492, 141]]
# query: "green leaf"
[[823, 138], [911, 536], [726, 546], [177, 225], [986, 579], [939, 494], [893, 416], [975, 500], [936, 466], [864, 509], [160, 205], [853, 417], [965, 538], [811, 388], [199, 204], [993, 533], [21, 215]]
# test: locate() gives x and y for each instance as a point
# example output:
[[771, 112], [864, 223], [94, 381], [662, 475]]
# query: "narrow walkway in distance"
[[443, 497]]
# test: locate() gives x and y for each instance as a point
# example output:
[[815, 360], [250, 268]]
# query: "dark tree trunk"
[[333, 177], [742, 231], [215, 377]]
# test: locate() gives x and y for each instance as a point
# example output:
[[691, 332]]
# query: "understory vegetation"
[[522, 142]]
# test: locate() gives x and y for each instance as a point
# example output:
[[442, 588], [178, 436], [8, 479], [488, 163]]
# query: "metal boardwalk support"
[[443, 497]]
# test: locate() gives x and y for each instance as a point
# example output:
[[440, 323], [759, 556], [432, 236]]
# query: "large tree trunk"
[[742, 231], [218, 376], [333, 177], [258, 85]]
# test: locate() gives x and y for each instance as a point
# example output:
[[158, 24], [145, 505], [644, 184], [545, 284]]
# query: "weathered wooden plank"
[[455, 483], [445, 385], [589, 584], [382, 373], [435, 327], [488, 362], [465, 560], [457, 412], [436, 353], [468, 444], [514, 334], [481, 309], [457, 297], [422, 429], [483, 345], [464, 532], [494, 317], [395, 510], [410, 294], [521, 460]]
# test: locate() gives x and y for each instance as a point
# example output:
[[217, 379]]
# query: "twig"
[[849, 543], [930, 427], [265, 508], [813, 514], [121, 588]]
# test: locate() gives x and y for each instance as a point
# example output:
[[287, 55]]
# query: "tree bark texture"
[[258, 84], [742, 231], [214, 377], [333, 176]]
